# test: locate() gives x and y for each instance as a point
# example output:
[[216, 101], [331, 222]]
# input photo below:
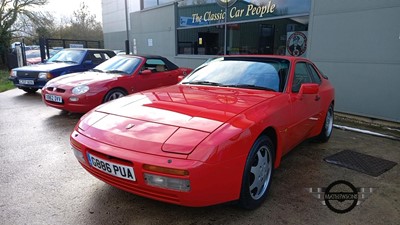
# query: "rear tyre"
[[114, 94], [327, 127], [29, 90], [257, 173]]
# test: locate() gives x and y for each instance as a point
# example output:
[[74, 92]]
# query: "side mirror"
[[308, 89], [180, 78], [146, 72]]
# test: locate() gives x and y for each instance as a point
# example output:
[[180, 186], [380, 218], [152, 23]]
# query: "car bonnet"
[[162, 118]]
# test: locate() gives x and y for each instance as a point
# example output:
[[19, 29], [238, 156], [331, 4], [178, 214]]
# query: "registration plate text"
[[29, 82], [53, 98], [115, 169]]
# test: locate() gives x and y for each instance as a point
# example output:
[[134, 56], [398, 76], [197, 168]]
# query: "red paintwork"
[[32, 61], [203, 129], [101, 83]]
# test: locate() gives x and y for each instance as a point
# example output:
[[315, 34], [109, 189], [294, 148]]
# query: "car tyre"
[[114, 94], [30, 90], [327, 128], [257, 173]]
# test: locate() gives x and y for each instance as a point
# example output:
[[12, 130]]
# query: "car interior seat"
[[160, 68]]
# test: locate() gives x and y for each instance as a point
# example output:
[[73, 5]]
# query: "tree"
[[11, 13], [31, 29], [82, 25]]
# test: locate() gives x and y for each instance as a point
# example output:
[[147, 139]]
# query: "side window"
[[106, 56], [97, 57], [314, 74], [155, 65], [301, 76]]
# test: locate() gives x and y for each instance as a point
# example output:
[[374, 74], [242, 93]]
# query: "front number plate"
[[53, 98], [29, 82], [114, 169]]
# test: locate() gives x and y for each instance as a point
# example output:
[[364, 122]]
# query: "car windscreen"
[[119, 64], [32, 54], [68, 56], [241, 73]]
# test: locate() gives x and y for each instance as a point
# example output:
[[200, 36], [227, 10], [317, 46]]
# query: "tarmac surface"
[[41, 182]]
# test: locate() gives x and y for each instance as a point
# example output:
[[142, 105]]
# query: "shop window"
[[154, 3], [260, 37], [201, 41]]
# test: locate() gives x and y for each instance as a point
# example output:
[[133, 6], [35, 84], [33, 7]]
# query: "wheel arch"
[[113, 89], [273, 135]]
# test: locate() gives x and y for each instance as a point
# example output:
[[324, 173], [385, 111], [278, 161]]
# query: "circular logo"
[[297, 44], [226, 3], [341, 196]]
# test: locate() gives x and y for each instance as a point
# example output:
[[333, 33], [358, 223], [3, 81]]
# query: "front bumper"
[[209, 184], [84, 104], [37, 83]]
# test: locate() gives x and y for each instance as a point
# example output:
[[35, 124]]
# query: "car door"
[[154, 73], [305, 108]]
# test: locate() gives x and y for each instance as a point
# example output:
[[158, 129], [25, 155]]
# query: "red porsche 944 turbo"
[[112, 79], [215, 137]]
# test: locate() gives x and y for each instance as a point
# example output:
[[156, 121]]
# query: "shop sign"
[[250, 10]]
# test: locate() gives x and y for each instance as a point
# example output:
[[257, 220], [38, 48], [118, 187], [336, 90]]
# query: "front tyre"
[[29, 90], [114, 94], [257, 173], [327, 127]]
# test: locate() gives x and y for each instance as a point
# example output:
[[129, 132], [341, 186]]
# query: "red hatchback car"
[[112, 79], [214, 137]]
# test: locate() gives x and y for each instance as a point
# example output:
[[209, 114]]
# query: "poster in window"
[[296, 44]]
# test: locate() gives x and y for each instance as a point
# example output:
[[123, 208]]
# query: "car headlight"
[[45, 75], [13, 73], [81, 89]]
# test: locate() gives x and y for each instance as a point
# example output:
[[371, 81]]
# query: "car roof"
[[87, 49], [168, 63]]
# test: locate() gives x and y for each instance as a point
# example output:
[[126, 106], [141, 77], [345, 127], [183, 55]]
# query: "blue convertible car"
[[34, 77]]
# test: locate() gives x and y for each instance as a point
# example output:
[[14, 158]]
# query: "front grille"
[[110, 158], [55, 89], [132, 187], [127, 185], [27, 74]]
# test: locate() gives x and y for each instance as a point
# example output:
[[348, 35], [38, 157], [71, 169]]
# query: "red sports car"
[[112, 79], [214, 137]]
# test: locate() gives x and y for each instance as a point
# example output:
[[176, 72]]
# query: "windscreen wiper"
[[203, 83], [97, 70], [68, 61], [249, 86], [115, 71]]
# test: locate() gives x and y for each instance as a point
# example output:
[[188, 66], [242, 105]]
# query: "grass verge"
[[5, 84]]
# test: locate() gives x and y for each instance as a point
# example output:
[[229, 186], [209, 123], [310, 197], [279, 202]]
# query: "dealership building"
[[355, 43]]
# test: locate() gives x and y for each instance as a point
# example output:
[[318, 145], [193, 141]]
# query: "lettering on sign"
[[235, 12]]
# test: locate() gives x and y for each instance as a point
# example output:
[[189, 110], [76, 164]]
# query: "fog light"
[[74, 99], [167, 182], [78, 154]]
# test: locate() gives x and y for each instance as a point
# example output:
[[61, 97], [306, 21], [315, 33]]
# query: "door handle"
[[317, 98]]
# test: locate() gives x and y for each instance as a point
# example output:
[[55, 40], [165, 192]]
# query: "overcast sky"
[[64, 8]]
